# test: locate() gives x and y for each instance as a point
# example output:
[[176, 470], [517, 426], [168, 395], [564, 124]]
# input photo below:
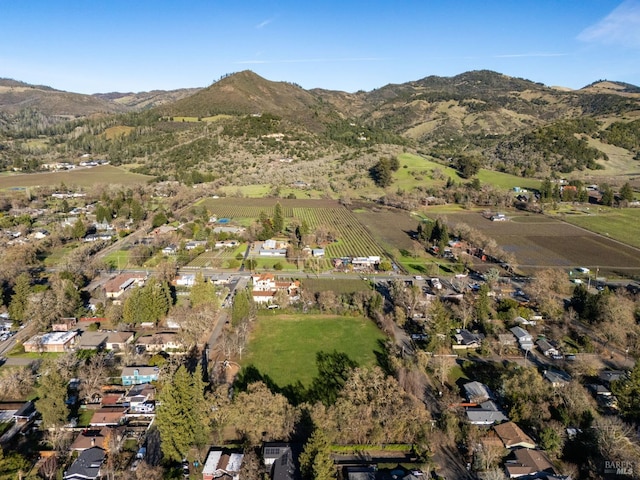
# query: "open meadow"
[[621, 224], [284, 347]]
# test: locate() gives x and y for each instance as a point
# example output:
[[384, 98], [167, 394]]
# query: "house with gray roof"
[[487, 413], [87, 465]]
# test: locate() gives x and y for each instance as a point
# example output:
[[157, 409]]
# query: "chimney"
[[93, 441]]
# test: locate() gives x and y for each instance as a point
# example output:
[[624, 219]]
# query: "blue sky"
[[92, 46]]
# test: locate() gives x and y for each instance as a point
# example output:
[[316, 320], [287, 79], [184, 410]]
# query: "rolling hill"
[[245, 122]]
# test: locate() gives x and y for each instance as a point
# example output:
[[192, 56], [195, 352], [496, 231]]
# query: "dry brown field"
[[83, 177], [538, 241], [390, 227]]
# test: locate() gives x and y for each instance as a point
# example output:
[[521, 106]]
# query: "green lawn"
[[284, 347], [118, 259], [622, 224]]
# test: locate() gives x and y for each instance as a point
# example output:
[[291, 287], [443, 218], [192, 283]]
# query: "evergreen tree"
[[626, 192], [278, 219], [180, 414], [243, 307], [52, 392], [79, 229], [607, 195], [627, 391], [315, 461], [202, 292], [20, 297], [149, 303]]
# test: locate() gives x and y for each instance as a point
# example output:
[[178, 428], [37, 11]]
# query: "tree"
[[315, 461], [149, 303], [607, 195], [79, 229], [159, 219], [180, 412], [93, 375], [468, 166], [202, 292], [52, 393], [20, 297], [12, 465], [333, 371], [243, 307], [627, 391], [278, 219], [626, 192], [260, 415], [384, 412], [381, 173]]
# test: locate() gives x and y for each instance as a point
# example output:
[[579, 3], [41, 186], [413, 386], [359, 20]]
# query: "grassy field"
[[284, 347], [84, 177], [415, 170], [621, 224]]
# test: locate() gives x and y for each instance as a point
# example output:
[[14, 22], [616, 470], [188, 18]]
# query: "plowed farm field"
[[538, 241]]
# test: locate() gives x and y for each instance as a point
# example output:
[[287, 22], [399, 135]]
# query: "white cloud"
[[264, 23], [620, 27]]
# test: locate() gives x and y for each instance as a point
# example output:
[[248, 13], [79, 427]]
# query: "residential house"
[[171, 249], [525, 340], [477, 392], [534, 463], [608, 376], [278, 458], [87, 465], [365, 262], [226, 244], [25, 413], [512, 436], [221, 463], [139, 398], [118, 341], [117, 286], [107, 417], [185, 280], [260, 297], [557, 378], [51, 342], [265, 287], [273, 248], [64, 324], [92, 340], [487, 413], [193, 244], [138, 375], [97, 237], [94, 437], [524, 321], [160, 342], [465, 339], [546, 348]]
